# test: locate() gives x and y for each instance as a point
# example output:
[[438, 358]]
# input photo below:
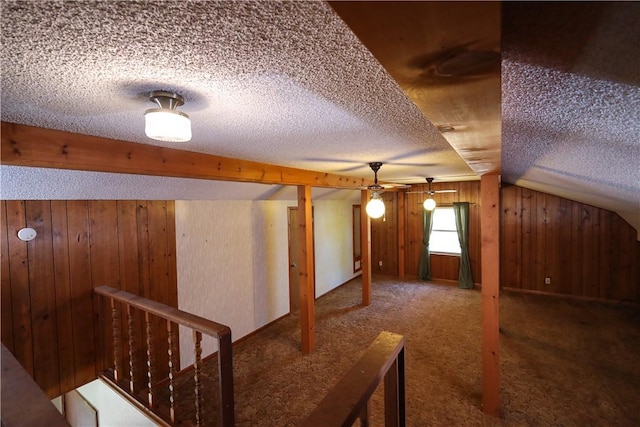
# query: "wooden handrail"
[[206, 326], [23, 402], [173, 317], [349, 399]]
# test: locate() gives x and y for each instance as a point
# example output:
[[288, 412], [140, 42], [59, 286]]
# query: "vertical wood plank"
[[143, 249], [307, 285], [577, 250], [159, 276], [527, 231], [365, 245], [587, 243], [402, 214], [508, 237], [20, 292], [551, 238], [81, 291], [600, 230], [564, 248], [5, 298], [63, 295], [171, 253], [540, 225], [43, 298], [605, 258], [490, 194], [621, 288], [103, 243], [128, 249]]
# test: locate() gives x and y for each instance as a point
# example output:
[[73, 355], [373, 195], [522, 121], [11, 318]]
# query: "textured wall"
[[215, 267], [233, 261], [333, 244], [270, 261]]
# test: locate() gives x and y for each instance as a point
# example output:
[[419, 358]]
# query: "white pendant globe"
[[375, 207], [429, 204]]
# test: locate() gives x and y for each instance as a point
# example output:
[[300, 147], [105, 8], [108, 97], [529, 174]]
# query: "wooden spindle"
[[133, 349], [151, 359], [197, 369], [171, 337], [116, 324]]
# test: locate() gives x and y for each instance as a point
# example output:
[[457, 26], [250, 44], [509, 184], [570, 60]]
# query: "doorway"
[[294, 258]]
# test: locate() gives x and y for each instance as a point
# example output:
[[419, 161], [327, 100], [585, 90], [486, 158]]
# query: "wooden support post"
[[365, 247], [401, 231], [307, 281], [490, 219]]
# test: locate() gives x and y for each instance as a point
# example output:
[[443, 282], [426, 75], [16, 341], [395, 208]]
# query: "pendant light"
[[375, 207], [429, 204], [167, 123]]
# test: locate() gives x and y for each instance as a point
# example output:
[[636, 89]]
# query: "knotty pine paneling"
[[384, 237], [586, 251], [441, 266], [51, 320]]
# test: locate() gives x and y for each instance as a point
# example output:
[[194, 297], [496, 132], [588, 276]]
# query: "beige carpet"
[[562, 362]]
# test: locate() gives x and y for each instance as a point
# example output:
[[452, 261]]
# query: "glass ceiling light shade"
[[166, 123], [429, 204], [375, 207]]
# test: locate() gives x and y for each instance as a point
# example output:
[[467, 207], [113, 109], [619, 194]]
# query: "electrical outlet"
[[379, 263], [547, 280]]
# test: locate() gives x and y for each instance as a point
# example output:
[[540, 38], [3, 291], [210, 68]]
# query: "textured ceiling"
[[571, 101], [289, 83], [282, 83]]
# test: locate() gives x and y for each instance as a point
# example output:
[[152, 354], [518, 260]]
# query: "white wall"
[[112, 409], [233, 261], [270, 261], [333, 228], [215, 267]]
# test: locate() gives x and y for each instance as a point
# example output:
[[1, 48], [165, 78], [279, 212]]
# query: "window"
[[444, 234]]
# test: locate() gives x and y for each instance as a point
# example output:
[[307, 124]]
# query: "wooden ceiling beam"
[[30, 146]]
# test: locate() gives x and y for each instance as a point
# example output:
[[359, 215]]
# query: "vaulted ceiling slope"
[[311, 85], [571, 101]]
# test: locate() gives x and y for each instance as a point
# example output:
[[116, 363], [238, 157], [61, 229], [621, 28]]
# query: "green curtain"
[[461, 212], [424, 271]]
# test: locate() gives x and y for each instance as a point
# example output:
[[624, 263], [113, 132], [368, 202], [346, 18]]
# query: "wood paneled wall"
[[443, 267], [585, 251], [384, 237], [51, 319]]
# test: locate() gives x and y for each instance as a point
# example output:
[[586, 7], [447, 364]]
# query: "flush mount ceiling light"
[[166, 123], [375, 207]]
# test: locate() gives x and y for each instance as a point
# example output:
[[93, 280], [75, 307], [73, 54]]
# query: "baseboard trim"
[[572, 297]]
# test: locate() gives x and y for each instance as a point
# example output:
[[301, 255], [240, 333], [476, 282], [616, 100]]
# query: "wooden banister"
[[349, 399], [23, 402], [206, 326], [172, 316]]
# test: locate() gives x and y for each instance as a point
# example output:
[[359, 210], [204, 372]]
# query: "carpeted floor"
[[562, 362]]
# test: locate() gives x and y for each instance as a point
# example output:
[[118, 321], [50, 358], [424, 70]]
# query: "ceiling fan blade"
[[445, 191]]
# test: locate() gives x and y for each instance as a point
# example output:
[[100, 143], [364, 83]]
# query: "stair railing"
[[173, 317], [349, 399]]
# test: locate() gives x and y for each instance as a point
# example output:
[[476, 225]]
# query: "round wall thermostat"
[[27, 234]]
